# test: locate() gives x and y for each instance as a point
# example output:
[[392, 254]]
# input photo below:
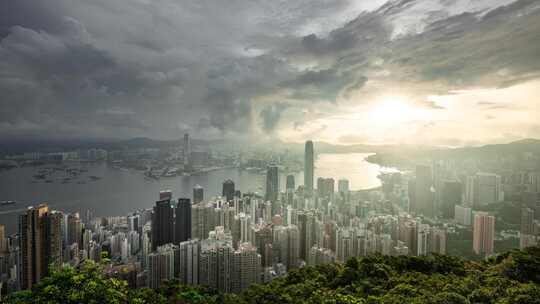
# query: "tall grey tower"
[[187, 151], [308, 167], [272, 183]]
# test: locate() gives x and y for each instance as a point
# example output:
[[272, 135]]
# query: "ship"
[[7, 203]]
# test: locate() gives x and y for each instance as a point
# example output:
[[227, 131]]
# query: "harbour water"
[[117, 192]]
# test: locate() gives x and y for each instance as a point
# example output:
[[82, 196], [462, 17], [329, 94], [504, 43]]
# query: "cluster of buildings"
[[238, 239], [93, 154]]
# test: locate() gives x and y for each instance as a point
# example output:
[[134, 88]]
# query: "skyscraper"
[[483, 233], [437, 242], [308, 167], [483, 189], [216, 260], [189, 262], [422, 239], [463, 215], [325, 187], [162, 224], [286, 245], [74, 230], [198, 194], [165, 195], [187, 152], [272, 183], [422, 202], [161, 265], [289, 185], [526, 236], [289, 189], [41, 243], [408, 234], [228, 190], [203, 217], [343, 189], [527, 220], [182, 221], [3, 241], [306, 227], [450, 197], [246, 267]]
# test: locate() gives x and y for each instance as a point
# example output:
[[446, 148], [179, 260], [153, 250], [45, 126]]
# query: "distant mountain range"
[[50, 145], [516, 147]]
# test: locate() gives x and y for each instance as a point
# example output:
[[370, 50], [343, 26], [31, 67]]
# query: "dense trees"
[[508, 278]]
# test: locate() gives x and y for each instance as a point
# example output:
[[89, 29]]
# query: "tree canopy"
[[509, 278]]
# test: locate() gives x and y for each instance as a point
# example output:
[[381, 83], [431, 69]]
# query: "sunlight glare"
[[392, 111]]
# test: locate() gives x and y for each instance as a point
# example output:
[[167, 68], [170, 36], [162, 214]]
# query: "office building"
[[290, 185], [246, 267], [272, 183], [422, 200], [198, 194], [74, 230], [483, 189], [215, 262], [161, 265], [165, 195], [41, 243], [228, 190], [325, 187], [483, 233], [408, 234], [450, 197], [189, 262], [463, 215], [527, 221], [527, 235], [187, 152], [438, 240], [182, 221], [343, 189], [422, 240], [203, 220], [286, 245], [262, 239], [162, 224], [309, 166]]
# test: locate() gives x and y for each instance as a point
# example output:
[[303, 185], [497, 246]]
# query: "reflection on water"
[[119, 192], [352, 166]]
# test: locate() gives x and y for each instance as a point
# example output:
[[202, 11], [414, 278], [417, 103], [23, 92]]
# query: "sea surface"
[[118, 192]]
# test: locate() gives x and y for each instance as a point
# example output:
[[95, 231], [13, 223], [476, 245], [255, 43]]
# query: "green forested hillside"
[[512, 277]]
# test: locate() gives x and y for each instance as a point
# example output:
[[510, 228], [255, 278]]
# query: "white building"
[[463, 215]]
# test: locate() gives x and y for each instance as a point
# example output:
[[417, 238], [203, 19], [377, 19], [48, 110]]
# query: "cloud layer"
[[123, 68]]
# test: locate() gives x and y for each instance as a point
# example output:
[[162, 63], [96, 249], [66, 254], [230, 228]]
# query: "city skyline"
[[231, 241], [306, 151]]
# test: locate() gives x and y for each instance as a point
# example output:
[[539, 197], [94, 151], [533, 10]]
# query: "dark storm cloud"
[[104, 68], [320, 84], [271, 115], [498, 47], [233, 82], [58, 81], [365, 33], [37, 15]]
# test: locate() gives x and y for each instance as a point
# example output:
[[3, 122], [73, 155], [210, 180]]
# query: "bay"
[[118, 192]]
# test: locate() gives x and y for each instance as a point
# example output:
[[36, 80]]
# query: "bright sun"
[[392, 111]]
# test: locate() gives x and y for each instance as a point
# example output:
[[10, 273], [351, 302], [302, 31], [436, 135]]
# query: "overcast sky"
[[441, 72]]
